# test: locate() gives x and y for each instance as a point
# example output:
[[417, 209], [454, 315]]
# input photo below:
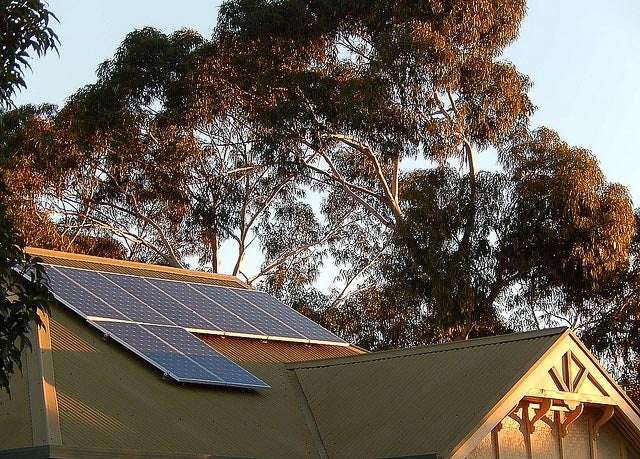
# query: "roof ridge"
[[130, 264], [430, 348]]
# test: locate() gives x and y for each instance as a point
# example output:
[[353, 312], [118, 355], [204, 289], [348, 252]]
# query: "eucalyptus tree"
[[24, 28], [184, 143], [150, 164], [353, 90], [552, 244]]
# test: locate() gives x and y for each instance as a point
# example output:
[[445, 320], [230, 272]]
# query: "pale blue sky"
[[582, 55]]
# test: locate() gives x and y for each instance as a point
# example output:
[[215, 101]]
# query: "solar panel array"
[[179, 354], [152, 317]]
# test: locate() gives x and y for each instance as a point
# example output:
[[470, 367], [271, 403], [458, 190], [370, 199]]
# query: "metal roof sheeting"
[[243, 350], [15, 411], [413, 401], [107, 399]]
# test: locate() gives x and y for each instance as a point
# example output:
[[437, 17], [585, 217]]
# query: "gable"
[[566, 390]]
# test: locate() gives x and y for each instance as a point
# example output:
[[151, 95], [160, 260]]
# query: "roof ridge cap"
[[130, 264], [430, 348]]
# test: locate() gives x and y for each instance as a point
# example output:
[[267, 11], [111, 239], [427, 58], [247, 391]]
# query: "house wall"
[[611, 443], [512, 439], [15, 412]]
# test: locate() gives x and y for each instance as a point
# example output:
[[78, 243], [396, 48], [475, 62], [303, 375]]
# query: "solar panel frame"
[[305, 326], [140, 338], [270, 325]]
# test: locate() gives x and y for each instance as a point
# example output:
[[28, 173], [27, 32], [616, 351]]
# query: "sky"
[[582, 56]]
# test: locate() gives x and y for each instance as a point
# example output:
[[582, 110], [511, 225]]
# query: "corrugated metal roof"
[[109, 399], [414, 401], [132, 268], [243, 350]]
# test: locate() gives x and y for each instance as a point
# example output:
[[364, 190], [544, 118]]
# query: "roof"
[[111, 400], [243, 350], [426, 398], [429, 400]]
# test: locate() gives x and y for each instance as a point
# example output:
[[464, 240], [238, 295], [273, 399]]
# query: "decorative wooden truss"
[[569, 389]]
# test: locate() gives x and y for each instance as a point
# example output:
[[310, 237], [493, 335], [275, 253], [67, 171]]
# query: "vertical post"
[[527, 429], [592, 436], [45, 417], [557, 417], [495, 444]]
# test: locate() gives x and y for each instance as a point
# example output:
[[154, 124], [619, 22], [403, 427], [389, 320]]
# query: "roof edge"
[[625, 405], [132, 264], [430, 348], [43, 399], [494, 413], [73, 452]]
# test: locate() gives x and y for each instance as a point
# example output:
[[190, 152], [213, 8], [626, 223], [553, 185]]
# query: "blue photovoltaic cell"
[[119, 299], [172, 308], [293, 318], [159, 353], [75, 295], [269, 324], [212, 311], [229, 372], [179, 354]]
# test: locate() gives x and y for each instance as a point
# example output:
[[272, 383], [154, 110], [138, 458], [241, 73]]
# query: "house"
[[86, 393]]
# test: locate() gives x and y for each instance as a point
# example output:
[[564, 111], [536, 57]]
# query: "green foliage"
[[572, 230], [615, 330], [152, 159], [24, 29], [23, 289], [23, 294], [551, 244]]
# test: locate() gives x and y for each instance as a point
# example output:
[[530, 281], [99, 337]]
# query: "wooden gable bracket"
[[608, 413], [567, 396], [570, 419], [544, 408], [565, 380]]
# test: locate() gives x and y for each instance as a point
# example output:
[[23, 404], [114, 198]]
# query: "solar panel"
[[180, 355], [229, 372], [290, 316], [151, 317], [109, 292], [217, 315], [268, 324], [169, 306], [78, 298]]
